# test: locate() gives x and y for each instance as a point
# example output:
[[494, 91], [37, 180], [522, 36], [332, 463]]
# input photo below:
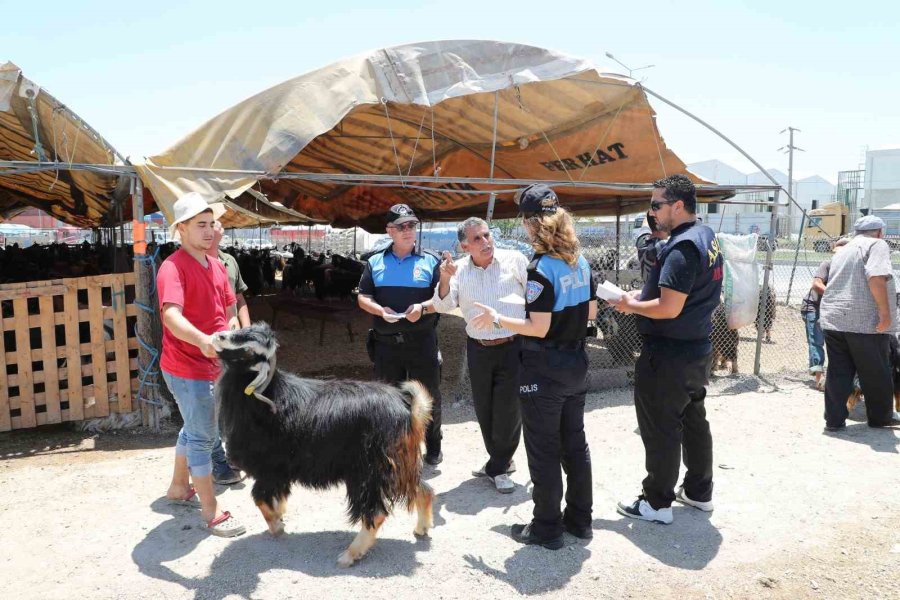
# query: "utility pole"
[[790, 189]]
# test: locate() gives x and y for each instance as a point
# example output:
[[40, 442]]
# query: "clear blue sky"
[[145, 74]]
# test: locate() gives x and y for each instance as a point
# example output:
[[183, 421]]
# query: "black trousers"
[[869, 356], [669, 394], [494, 371], [552, 386], [416, 358]]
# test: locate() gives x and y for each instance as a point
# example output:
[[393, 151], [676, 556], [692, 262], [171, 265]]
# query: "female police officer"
[[559, 302]]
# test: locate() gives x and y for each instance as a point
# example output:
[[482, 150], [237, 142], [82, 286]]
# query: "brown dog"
[[724, 342], [856, 395]]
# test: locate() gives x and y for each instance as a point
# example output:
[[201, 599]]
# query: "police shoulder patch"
[[533, 290]]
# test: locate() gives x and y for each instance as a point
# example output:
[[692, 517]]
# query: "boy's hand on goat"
[[206, 347]]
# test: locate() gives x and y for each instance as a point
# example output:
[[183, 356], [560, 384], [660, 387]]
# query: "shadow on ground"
[[520, 571], [474, 495], [879, 440], [693, 538], [242, 563], [63, 439]]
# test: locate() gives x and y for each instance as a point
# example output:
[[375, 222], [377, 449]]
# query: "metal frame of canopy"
[[415, 182]]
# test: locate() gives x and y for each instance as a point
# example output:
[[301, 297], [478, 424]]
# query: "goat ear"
[[258, 380]]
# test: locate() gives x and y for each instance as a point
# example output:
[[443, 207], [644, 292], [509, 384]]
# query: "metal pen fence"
[[779, 334], [780, 340]]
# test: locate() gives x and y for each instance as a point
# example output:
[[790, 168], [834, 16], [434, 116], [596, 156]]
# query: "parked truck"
[[826, 224]]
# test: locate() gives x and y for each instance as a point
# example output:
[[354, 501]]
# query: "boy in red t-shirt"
[[196, 301]]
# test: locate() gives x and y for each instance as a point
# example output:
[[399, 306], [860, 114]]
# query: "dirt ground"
[[800, 514]]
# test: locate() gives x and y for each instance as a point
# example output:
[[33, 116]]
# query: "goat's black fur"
[[366, 435]]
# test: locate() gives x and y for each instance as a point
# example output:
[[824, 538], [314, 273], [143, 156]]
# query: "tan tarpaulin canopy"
[[36, 127], [437, 125]]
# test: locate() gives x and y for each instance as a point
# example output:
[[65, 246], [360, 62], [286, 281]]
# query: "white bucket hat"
[[189, 206]]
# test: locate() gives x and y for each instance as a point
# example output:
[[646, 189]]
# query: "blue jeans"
[[815, 339], [199, 437]]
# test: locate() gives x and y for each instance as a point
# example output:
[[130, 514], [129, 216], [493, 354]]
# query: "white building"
[[882, 178], [807, 190]]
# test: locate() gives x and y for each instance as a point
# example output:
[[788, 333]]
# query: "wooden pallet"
[[55, 329]]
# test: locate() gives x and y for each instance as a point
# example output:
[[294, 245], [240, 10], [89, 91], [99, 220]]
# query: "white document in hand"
[[610, 291], [512, 299]]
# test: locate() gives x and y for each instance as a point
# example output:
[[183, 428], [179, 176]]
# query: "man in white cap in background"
[[858, 314], [196, 301]]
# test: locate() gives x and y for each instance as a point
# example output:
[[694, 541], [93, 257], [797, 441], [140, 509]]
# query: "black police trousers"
[[869, 356], [669, 394], [552, 386], [416, 357], [494, 371]]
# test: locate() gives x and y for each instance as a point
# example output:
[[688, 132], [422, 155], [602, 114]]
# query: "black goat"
[[620, 333], [319, 434], [338, 277]]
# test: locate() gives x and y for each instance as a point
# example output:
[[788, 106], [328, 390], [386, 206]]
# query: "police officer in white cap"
[[396, 289], [858, 313]]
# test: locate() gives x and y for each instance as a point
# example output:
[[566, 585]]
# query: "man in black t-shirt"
[[674, 317]]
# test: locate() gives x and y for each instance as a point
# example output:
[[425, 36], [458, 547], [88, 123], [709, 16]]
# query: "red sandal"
[[191, 499]]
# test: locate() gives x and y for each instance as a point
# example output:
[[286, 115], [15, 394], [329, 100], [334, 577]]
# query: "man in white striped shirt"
[[496, 278]]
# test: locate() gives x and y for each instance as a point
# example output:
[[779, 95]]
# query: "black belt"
[[539, 345], [401, 337], [495, 342]]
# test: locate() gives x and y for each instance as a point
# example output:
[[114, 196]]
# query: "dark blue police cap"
[[401, 213], [536, 199]]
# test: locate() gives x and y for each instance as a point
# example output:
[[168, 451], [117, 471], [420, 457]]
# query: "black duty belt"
[[538, 345], [403, 337]]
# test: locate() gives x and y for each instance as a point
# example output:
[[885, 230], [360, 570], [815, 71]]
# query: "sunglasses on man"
[[655, 205], [408, 226]]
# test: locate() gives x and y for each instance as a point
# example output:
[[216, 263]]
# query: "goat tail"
[[419, 408], [407, 457]]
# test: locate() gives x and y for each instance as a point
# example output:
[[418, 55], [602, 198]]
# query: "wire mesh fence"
[[778, 333]]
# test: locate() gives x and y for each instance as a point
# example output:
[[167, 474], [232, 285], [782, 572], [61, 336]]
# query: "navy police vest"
[[695, 321]]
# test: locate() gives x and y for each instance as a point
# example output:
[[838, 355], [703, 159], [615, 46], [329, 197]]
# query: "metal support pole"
[[790, 207], [618, 237], [144, 322], [494, 136], [787, 299], [492, 199], [764, 297]]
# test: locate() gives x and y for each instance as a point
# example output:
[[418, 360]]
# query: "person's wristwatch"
[[497, 321]]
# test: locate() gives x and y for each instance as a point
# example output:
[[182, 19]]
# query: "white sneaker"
[[683, 498], [503, 483], [641, 509], [482, 472]]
